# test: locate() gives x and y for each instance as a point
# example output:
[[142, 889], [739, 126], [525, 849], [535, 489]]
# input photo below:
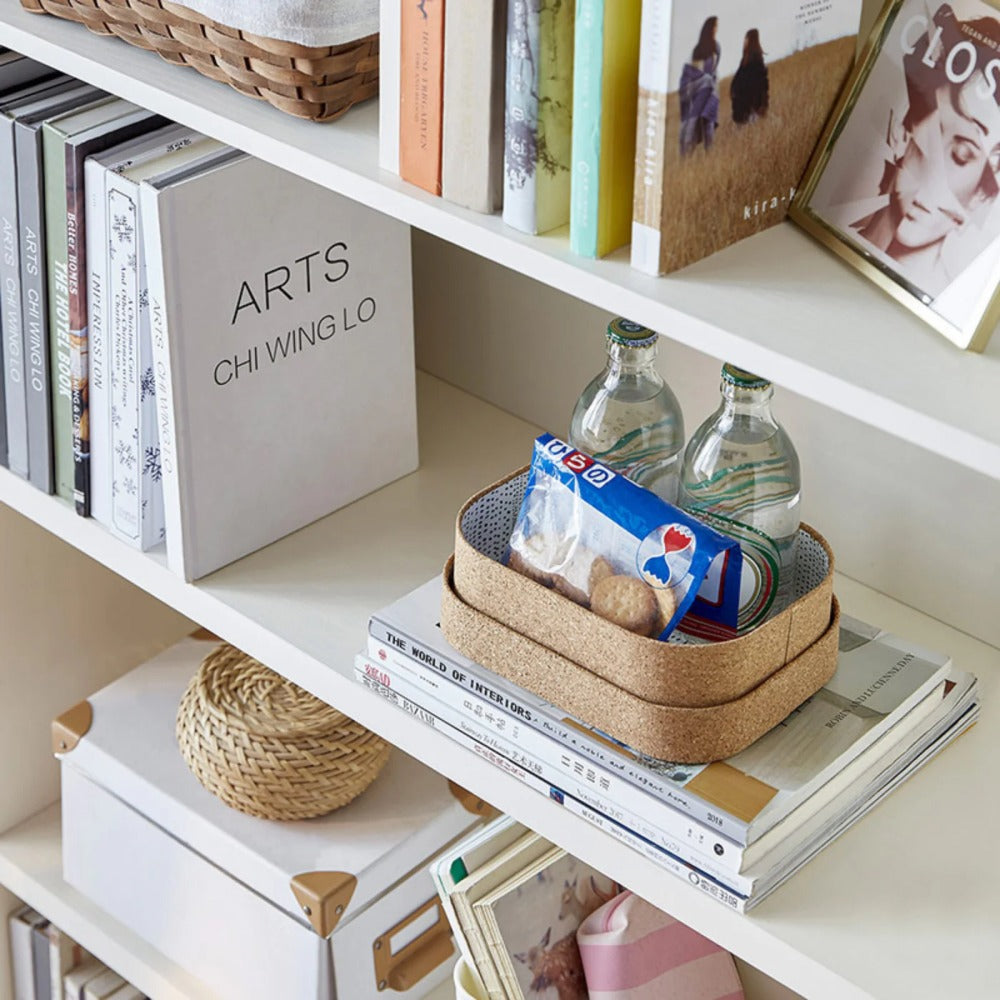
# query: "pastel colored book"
[[421, 73], [303, 397], [605, 93], [474, 69], [731, 103], [538, 114]]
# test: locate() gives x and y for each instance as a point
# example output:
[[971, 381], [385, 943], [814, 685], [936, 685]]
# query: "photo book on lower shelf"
[[738, 828]]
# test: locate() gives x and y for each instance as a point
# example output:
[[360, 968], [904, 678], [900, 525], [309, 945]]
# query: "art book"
[[285, 375], [472, 140], [421, 75], [605, 90], [66, 142], [530, 922], [538, 115], [731, 103]]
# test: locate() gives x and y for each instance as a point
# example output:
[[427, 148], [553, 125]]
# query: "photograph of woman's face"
[[912, 177], [949, 167]]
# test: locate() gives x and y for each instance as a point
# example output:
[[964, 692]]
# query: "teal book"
[[538, 114], [605, 96]]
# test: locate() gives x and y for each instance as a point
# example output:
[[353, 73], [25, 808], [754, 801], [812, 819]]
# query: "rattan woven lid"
[[269, 748]]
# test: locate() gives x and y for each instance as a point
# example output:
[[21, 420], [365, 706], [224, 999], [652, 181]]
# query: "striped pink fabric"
[[633, 951]]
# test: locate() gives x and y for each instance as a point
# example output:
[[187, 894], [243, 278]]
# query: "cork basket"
[[266, 747], [316, 82], [679, 701]]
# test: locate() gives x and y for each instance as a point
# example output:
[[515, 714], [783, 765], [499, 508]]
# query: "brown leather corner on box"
[[323, 897], [71, 727], [691, 676], [679, 733], [471, 802]]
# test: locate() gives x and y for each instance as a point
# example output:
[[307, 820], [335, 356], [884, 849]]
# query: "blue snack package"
[[581, 523]]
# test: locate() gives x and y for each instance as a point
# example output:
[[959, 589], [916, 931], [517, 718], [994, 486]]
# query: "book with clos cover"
[[283, 352], [732, 100]]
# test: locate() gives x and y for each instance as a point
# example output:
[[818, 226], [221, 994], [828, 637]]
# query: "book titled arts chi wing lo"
[[281, 321]]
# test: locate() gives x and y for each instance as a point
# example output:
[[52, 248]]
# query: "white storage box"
[[337, 907]]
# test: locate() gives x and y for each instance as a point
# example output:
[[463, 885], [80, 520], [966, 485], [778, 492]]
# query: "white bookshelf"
[[901, 905], [777, 303], [862, 919]]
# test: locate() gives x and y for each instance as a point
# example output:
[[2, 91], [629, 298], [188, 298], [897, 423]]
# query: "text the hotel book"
[[282, 330]]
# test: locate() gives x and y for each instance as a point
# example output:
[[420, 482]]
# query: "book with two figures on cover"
[[732, 100]]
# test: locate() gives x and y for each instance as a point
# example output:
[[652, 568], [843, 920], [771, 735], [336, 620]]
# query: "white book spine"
[[472, 130], [521, 118], [615, 799], [388, 85], [99, 410], [136, 510], [528, 775], [10, 293], [551, 721], [651, 128], [160, 339]]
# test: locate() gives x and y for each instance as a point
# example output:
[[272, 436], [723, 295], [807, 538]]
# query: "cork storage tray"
[[676, 700]]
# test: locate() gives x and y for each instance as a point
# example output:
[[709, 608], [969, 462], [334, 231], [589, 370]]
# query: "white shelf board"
[[902, 905], [31, 867], [777, 303]]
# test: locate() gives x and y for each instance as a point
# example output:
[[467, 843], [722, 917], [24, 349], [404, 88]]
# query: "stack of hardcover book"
[[173, 310], [737, 829], [677, 128]]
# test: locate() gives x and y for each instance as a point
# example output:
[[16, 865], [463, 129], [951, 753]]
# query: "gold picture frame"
[[894, 186]]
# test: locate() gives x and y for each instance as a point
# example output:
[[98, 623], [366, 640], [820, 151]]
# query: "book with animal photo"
[[531, 920], [732, 99], [906, 184]]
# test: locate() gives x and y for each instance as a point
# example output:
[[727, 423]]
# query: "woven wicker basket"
[[316, 82], [268, 748]]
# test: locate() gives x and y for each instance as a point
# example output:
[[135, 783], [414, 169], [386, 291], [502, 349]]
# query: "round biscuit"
[[626, 601]]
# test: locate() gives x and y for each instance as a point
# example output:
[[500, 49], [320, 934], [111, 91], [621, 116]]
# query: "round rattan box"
[[267, 747]]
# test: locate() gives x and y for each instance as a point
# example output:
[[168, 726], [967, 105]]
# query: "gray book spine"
[[34, 309], [40, 961], [15, 402]]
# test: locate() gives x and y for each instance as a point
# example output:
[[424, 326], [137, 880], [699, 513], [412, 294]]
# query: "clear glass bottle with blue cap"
[[740, 474], [627, 417]]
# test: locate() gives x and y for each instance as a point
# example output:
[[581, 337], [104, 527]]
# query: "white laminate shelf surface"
[[904, 904], [777, 303]]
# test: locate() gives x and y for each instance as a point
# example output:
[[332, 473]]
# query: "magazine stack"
[[736, 829]]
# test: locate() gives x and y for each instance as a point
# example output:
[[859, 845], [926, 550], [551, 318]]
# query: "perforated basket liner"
[[489, 520]]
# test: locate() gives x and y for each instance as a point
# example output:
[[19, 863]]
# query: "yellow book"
[[605, 97]]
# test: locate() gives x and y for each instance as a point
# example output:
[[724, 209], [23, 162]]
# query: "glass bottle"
[[740, 474], [627, 417]]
